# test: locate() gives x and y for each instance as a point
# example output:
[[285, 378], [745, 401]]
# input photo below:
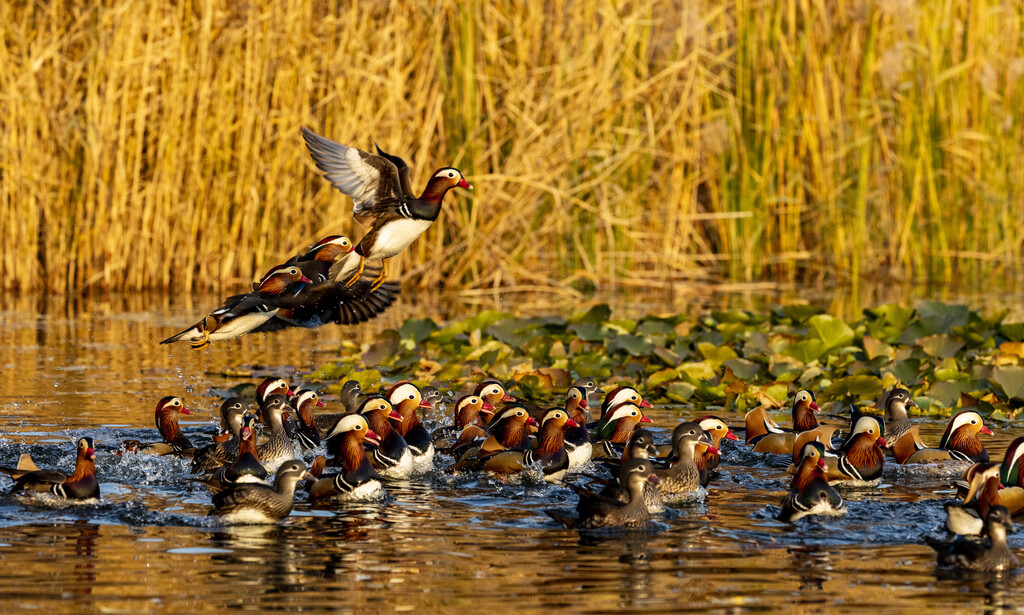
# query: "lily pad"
[[830, 330], [634, 345], [594, 316], [940, 345], [855, 387], [680, 392], [1010, 379], [416, 329], [743, 369]]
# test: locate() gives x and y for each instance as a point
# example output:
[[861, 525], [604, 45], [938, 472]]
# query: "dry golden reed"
[[148, 144]]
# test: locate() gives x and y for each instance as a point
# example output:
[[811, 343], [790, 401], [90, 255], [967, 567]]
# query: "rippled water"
[[440, 544]]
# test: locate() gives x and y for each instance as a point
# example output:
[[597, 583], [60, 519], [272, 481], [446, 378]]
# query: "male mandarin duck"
[[255, 503], [766, 436], [80, 485], [492, 392], [595, 511], [618, 396], [959, 442], [810, 493], [682, 478], [378, 185], [356, 478], [616, 427], [278, 447], [244, 313], [391, 457], [550, 455], [1009, 470], [168, 410], [983, 491], [897, 421], [860, 461], [471, 416], [406, 399], [961, 437], [307, 432], [272, 385], [577, 438], [287, 297], [508, 431], [993, 555], [246, 468]]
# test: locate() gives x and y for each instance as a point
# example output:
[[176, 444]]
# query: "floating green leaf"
[[634, 345], [1010, 379], [830, 330], [940, 345], [853, 387], [743, 369], [417, 330]]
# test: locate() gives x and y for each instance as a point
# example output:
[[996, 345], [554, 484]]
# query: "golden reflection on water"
[[436, 546]]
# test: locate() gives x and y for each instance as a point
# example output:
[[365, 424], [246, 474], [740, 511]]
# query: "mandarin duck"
[[507, 431], [994, 555], [80, 485], [616, 427], [959, 442], [356, 478], [980, 490], [307, 433], [209, 458], [809, 492], [550, 455], [406, 399], [494, 393], [589, 386], [241, 314], [616, 397], [246, 468], [577, 438], [766, 436], [375, 184], [860, 461], [1009, 471], [682, 478], [595, 511], [471, 416], [251, 503], [897, 421], [391, 457], [168, 409], [279, 447], [640, 446]]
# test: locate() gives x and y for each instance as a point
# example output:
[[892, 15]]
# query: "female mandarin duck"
[[640, 446], [392, 457], [959, 442], [245, 469], [406, 399], [278, 447], [682, 479], [810, 493], [356, 480], [897, 421], [550, 454], [379, 187], [255, 503], [993, 556], [221, 452], [81, 485], [595, 511], [766, 436]]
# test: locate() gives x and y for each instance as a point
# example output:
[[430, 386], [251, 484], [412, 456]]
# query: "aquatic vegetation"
[[948, 356]]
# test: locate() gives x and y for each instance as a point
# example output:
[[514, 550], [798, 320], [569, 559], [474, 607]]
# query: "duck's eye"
[[358, 427], [412, 396]]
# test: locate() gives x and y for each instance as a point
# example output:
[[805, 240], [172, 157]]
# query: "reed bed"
[[156, 145]]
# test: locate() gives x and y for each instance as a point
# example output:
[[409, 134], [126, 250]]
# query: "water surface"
[[440, 544]]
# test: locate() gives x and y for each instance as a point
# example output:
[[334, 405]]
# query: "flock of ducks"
[[253, 466]]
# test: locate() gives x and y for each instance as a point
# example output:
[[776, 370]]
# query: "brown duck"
[[356, 478], [550, 454], [595, 511], [80, 485]]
